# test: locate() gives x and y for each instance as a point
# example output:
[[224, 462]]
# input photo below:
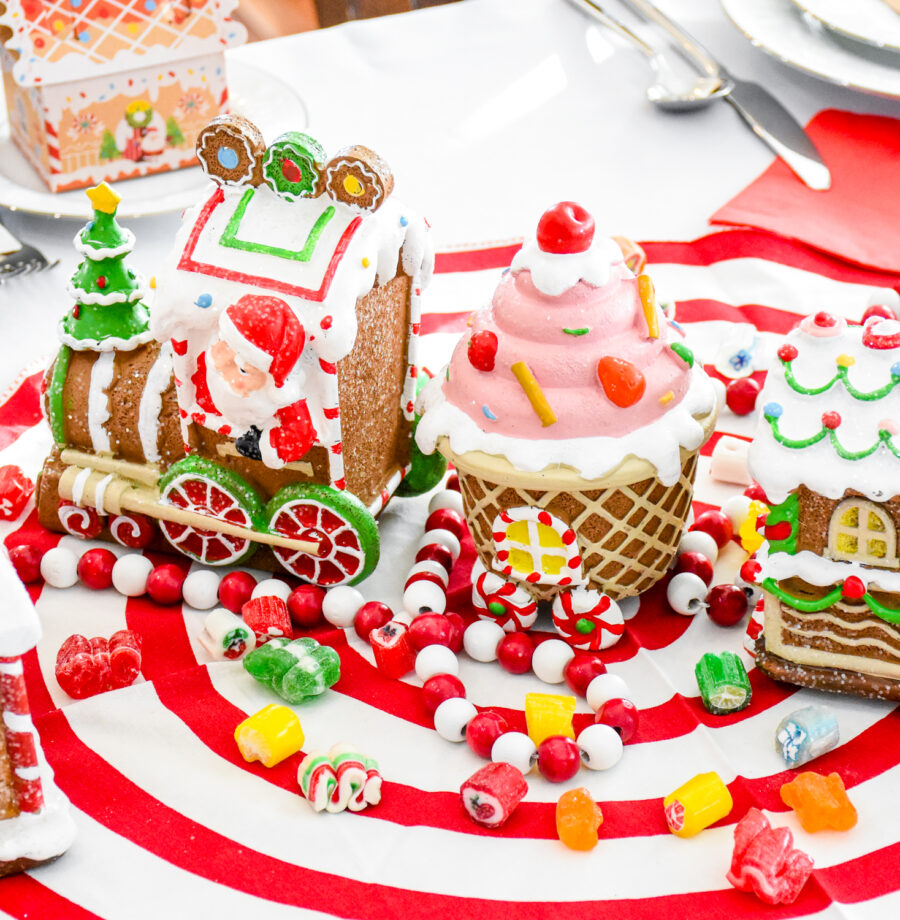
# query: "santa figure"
[[248, 377]]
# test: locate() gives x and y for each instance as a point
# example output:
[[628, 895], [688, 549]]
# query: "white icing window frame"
[[863, 534], [571, 571]]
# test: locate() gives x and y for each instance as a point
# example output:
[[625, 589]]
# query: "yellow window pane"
[[552, 565], [521, 561], [547, 536], [877, 548], [875, 522], [850, 518], [518, 532], [847, 544]]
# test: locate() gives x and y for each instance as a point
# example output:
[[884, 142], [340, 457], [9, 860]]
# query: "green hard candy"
[[723, 682], [296, 670]]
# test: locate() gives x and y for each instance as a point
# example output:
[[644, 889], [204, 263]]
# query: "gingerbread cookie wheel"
[[359, 177], [230, 150], [292, 166]]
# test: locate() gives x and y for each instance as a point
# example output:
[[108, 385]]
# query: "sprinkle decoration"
[[787, 354], [830, 421], [534, 393], [584, 330], [487, 411], [648, 302], [683, 352], [666, 398]]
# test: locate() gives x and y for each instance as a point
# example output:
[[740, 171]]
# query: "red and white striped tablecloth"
[[173, 823]]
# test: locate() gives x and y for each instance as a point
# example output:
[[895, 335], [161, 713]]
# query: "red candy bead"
[[429, 629], [452, 482], [482, 350], [372, 615], [436, 552], [696, 564], [755, 493], [717, 524], [727, 605], [235, 590], [304, 605], [581, 670], [164, 583], [447, 519], [457, 629], [95, 569], [483, 731], [854, 588], [879, 309], [565, 228], [514, 652], [26, 560], [741, 395], [558, 758], [439, 688], [831, 419], [787, 352], [750, 571], [622, 715]]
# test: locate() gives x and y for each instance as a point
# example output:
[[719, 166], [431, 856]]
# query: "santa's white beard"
[[256, 408]]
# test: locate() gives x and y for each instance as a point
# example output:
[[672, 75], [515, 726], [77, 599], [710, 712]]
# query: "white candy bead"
[[432, 568], [550, 659], [453, 715], [686, 594], [737, 508], [130, 574], [698, 541], [444, 537], [481, 638], [436, 659], [274, 587], [448, 498], [201, 589], [606, 687], [601, 746], [341, 605], [515, 748], [424, 596], [59, 567]]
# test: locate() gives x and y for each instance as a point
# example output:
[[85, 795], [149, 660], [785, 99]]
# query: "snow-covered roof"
[[19, 625], [57, 41], [831, 411]]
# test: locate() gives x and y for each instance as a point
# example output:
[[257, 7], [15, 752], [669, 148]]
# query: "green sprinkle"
[[585, 626], [583, 331], [683, 352], [496, 608]]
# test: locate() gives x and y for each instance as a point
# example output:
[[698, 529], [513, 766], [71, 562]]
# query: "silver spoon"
[[669, 91]]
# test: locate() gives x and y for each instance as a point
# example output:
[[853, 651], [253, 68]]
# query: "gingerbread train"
[[573, 412], [264, 405], [827, 455]]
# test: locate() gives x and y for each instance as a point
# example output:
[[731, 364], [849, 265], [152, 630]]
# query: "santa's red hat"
[[264, 332]]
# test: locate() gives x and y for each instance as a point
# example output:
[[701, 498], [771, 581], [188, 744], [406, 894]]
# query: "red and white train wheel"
[[78, 520], [201, 487], [346, 533]]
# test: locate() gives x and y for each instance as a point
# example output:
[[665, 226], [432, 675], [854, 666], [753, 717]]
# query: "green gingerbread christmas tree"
[[108, 311]]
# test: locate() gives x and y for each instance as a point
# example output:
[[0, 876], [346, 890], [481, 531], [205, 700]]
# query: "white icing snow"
[[553, 273], [817, 570], [158, 379], [19, 626], [98, 400]]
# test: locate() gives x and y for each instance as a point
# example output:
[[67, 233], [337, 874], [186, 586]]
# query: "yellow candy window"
[[530, 547], [863, 531]]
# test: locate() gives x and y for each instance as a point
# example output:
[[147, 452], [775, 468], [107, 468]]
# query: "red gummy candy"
[[393, 650], [85, 667], [765, 861], [268, 617], [15, 490]]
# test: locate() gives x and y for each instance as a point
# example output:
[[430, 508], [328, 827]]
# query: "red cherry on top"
[[565, 228], [854, 588], [482, 350]]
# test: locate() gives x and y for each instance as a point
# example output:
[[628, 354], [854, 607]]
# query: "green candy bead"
[[723, 682]]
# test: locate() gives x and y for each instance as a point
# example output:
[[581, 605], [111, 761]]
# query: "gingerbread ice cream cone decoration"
[[574, 413]]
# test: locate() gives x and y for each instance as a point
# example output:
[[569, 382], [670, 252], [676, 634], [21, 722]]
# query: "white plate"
[[869, 21], [270, 103], [781, 29]]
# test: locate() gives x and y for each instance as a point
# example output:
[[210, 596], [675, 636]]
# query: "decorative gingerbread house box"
[[35, 824], [828, 458], [265, 402], [112, 89]]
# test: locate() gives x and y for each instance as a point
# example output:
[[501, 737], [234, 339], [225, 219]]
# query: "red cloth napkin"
[[856, 219]]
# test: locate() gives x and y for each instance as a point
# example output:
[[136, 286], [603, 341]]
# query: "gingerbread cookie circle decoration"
[[358, 177], [292, 166], [230, 150]]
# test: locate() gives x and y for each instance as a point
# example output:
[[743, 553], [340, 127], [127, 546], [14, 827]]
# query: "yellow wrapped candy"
[[751, 538], [270, 735], [547, 714], [701, 801]]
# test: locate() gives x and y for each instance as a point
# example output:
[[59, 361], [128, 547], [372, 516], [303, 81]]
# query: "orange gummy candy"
[[820, 802], [578, 818]]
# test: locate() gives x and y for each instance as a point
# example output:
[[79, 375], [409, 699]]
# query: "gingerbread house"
[[266, 404], [828, 458], [35, 824], [111, 89]]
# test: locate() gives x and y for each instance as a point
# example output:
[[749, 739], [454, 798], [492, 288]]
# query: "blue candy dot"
[[227, 157], [895, 369], [149, 5], [404, 221], [204, 301], [75, 4], [84, 36], [772, 410], [488, 413]]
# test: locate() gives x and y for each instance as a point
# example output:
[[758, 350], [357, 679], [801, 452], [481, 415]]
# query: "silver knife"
[[767, 117]]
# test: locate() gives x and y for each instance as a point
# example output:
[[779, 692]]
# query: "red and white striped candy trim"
[[21, 739]]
